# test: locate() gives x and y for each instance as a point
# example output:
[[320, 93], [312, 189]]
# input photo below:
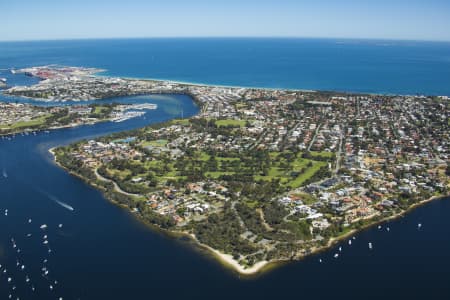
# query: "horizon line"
[[225, 37]]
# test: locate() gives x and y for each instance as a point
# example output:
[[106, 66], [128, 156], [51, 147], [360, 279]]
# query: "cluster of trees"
[[105, 111], [274, 214], [322, 173], [317, 157], [165, 222], [74, 165], [222, 231], [124, 164], [124, 184]]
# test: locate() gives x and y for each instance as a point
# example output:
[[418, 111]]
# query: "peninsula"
[[259, 175]]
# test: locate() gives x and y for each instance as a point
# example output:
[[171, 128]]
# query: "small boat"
[[349, 242], [336, 255], [388, 229], [5, 175], [379, 226], [29, 220], [60, 225], [340, 249], [43, 226], [370, 246], [419, 225], [22, 267], [45, 242], [320, 260]]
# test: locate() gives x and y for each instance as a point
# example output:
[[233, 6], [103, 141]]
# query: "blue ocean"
[[368, 66], [97, 250]]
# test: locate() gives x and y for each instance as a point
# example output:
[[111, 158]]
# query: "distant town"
[[259, 175], [25, 118]]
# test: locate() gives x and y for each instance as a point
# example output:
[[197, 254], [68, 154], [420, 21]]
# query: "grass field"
[[99, 109], [32, 123], [180, 121], [322, 154], [157, 143], [240, 123], [280, 168], [307, 174]]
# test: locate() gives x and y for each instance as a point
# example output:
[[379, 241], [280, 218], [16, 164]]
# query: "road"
[[314, 137]]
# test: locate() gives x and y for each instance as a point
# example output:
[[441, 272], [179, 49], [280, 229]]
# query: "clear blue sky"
[[68, 19]]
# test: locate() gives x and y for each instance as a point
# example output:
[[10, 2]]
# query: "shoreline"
[[212, 85], [259, 268]]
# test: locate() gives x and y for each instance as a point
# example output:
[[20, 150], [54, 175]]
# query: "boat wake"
[[5, 175], [56, 200], [65, 205]]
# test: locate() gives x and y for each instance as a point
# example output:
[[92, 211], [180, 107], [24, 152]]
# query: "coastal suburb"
[[258, 176]]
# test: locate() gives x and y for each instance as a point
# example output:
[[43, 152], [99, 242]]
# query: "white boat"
[[370, 245], [5, 175], [336, 255], [388, 229], [419, 225], [349, 242], [43, 226]]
